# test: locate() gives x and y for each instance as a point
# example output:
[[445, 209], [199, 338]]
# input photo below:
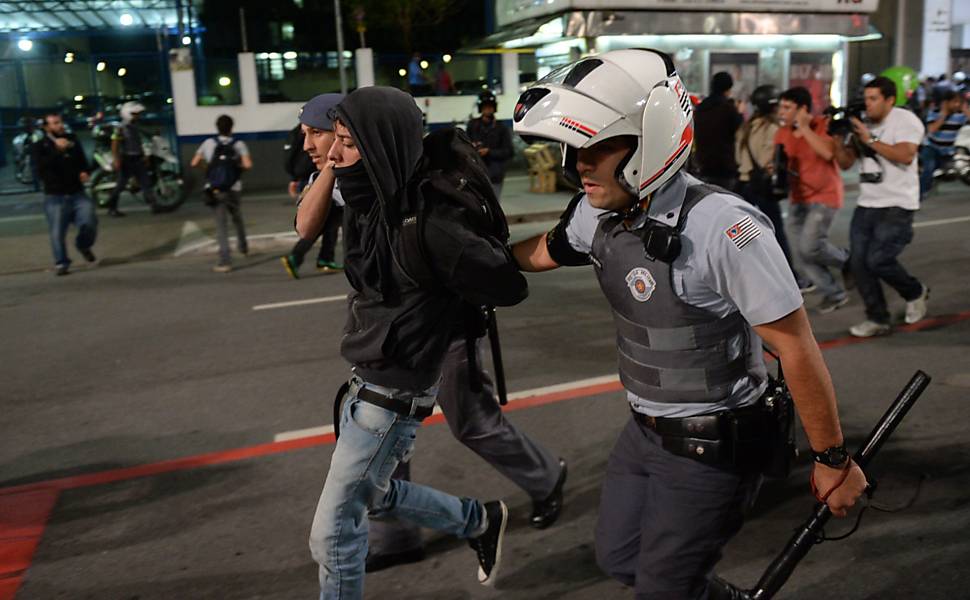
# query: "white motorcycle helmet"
[[129, 109], [959, 77], [623, 92]]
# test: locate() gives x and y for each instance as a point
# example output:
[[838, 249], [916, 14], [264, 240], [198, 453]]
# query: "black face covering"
[[356, 187]]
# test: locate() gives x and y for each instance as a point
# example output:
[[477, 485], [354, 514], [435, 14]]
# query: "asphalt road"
[[138, 363]]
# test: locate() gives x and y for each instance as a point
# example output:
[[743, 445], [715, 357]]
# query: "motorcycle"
[[956, 165], [22, 143], [163, 170]]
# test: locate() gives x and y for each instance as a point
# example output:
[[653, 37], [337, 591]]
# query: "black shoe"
[[489, 544], [62, 270], [114, 212], [545, 512], [89, 256], [723, 590], [379, 562]]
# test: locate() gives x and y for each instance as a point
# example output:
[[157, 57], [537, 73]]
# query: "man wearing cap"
[[396, 336], [716, 124], [695, 281], [317, 129]]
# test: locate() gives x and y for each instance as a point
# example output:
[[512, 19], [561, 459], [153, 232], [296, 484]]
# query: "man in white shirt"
[[882, 225]]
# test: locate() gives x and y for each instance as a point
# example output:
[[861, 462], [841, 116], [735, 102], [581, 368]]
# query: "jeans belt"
[[411, 409]]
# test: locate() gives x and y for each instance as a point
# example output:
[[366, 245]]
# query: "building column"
[[364, 66], [510, 74], [248, 80]]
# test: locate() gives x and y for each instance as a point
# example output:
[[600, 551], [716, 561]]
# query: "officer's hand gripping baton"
[[808, 535]]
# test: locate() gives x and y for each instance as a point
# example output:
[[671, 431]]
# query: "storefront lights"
[[127, 19], [289, 55], [402, 72], [424, 64], [101, 66], [25, 45], [69, 57], [122, 72], [78, 98], [225, 81], [446, 58]]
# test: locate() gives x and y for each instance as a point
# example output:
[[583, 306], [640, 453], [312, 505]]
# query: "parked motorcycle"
[[163, 169], [22, 143], [957, 165]]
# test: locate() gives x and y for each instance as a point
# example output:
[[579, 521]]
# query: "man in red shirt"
[[816, 193]]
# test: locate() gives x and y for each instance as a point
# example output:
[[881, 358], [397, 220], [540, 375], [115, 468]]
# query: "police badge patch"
[[641, 283]]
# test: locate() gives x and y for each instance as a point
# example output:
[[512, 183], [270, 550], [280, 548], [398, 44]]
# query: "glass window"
[[813, 71], [298, 76]]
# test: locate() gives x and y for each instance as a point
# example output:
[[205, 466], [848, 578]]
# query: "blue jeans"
[[372, 443], [931, 157], [811, 223], [61, 211], [877, 237]]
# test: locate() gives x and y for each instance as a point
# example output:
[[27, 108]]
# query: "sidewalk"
[[24, 243]]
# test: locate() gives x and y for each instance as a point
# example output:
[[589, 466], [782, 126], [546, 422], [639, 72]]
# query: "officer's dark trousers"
[[477, 421], [328, 239], [877, 237], [133, 166], [663, 519]]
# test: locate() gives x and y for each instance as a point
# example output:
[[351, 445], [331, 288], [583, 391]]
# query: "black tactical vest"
[[669, 351]]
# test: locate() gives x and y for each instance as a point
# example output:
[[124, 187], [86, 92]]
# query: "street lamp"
[[186, 40], [402, 72], [69, 57], [101, 66], [127, 19], [122, 72], [424, 64], [225, 81], [25, 45]]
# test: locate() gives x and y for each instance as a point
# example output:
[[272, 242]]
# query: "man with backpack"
[[225, 159], [398, 332]]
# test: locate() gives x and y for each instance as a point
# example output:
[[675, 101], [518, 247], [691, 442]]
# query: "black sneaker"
[[114, 212], [488, 546], [829, 305], [545, 512], [290, 265], [89, 256], [62, 269]]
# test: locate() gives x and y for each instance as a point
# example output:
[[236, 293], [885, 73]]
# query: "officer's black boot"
[[723, 590]]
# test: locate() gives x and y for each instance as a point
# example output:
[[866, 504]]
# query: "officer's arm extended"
[[311, 212], [554, 249], [811, 388]]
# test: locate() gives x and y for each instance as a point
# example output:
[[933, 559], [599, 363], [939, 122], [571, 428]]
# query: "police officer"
[[696, 281], [492, 139], [129, 158]]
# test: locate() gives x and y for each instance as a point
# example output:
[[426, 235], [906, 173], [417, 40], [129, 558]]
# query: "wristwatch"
[[873, 138], [834, 457]]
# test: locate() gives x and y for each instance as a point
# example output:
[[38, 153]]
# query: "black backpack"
[[451, 171], [224, 169]]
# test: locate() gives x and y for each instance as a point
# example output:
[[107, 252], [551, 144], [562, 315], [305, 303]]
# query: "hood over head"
[[387, 127]]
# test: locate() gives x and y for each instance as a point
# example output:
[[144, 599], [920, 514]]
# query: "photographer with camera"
[[816, 193], [882, 224]]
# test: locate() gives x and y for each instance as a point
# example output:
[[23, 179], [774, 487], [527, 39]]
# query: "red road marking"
[[22, 520], [24, 509]]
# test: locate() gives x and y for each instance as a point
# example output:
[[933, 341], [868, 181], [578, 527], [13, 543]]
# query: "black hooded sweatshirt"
[[397, 332]]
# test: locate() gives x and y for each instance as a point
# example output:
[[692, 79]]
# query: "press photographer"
[[882, 224]]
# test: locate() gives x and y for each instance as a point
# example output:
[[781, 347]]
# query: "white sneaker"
[[916, 309], [869, 329]]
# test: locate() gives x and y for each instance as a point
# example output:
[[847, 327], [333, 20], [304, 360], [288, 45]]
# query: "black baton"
[[492, 323], [807, 536]]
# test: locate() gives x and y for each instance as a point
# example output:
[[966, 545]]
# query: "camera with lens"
[[839, 123]]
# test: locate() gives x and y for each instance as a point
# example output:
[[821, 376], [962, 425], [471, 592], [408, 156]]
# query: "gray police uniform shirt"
[[337, 197], [717, 271]]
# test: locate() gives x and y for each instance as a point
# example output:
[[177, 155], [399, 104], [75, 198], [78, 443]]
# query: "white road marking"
[[941, 222], [300, 302], [513, 397]]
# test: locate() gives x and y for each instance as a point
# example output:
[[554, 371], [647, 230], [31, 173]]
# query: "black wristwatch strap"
[[835, 457]]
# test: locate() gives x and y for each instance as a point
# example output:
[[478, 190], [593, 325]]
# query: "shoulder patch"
[[742, 232], [641, 283]]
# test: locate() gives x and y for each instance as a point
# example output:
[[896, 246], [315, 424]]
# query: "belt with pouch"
[[736, 438]]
